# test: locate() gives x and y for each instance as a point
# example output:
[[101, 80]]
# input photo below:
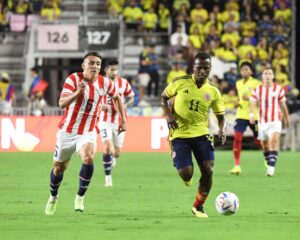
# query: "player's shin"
[[107, 163]]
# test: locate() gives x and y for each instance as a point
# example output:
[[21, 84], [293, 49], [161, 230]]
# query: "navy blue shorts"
[[241, 125], [182, 149]]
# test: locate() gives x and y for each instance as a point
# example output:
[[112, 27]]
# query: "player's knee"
[[88, 159], [186, 173], [208, 169], [59, 168]]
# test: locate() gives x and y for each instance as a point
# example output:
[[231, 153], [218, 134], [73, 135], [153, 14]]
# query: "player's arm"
[[286, 115], [222, 128], [129, 101], [252, 107], [120, 108], [171, 120], [66, 99]]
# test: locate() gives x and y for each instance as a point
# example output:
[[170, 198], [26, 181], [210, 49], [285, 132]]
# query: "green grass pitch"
[[148, 200]]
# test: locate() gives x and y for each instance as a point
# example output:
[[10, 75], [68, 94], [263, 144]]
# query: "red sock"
[[237, 147], [200, 199]]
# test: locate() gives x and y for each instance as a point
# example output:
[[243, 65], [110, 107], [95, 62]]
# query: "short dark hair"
[[34, 69], [247, 63], [93, 53], [202, 55], [110, 62]]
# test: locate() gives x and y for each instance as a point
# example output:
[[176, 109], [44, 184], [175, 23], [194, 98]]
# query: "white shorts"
[[109, 131], [67, 143], [265, 130]]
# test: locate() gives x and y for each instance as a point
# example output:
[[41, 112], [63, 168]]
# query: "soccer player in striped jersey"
[[244, 88], [188, 123], [271, 100], [110, 117], [81, 97]]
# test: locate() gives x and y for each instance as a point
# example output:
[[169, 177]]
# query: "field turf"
[[148, 200]]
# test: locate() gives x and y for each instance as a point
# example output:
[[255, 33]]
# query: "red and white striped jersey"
[[81, 115], [111, 115], [269, 99]]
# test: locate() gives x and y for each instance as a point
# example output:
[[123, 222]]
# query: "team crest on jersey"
[[173, 154], [207, 97]]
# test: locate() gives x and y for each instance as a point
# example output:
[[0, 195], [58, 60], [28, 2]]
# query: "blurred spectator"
[[178, 3], [179, 37], [231, 76], [198, 11], [212, 34], [21, 7], [3, 21], [7, 94], [153, 71], [213, 22], [178, 70], [283, 11], [183, 11], [135, 89], [230, 10], [230, 35], [164, 18], [280, 35], [248, 27], [217, 13], [50, 10], [231, 22], [196, 39], [265, 9], [228, 53], [230, 99], [36, 93], [115, 8], [263, 50], [245, 48], [147, 4], [133, 16], [150, 20], [35, 6]]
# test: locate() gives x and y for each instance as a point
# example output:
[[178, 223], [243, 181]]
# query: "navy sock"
[[273, 158], [107, 162], [55, 183], [85, 177], [267, 156]]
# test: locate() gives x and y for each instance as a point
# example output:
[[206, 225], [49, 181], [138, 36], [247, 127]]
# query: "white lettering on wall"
[[159, 130]]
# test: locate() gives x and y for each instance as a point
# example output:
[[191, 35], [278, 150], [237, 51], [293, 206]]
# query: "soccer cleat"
[[189, 182], [78, 203], [236, 170], [270, 171], [199, 212], [51, 205], [108, 181]]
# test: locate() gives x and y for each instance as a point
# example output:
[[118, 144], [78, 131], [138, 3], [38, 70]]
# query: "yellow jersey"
[[245, 88], [191, 106]]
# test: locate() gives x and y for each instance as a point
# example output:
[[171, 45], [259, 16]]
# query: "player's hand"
[[172, 122], [104, 107], [122, 127], [222, 137], [81, 88], [287, 122]]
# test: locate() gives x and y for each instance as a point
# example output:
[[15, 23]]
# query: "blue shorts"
[[241, 125], [182, 148]]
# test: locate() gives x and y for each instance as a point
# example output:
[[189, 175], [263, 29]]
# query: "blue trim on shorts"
[[201, 147]]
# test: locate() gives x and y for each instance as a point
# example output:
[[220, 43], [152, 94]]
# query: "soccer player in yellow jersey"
[[244, 88], [188, 123]]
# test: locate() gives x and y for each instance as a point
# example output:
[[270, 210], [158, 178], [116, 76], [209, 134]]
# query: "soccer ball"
[[227, 203]]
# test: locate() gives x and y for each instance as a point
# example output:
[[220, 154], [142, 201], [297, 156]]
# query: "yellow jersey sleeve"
[[218, 105]]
